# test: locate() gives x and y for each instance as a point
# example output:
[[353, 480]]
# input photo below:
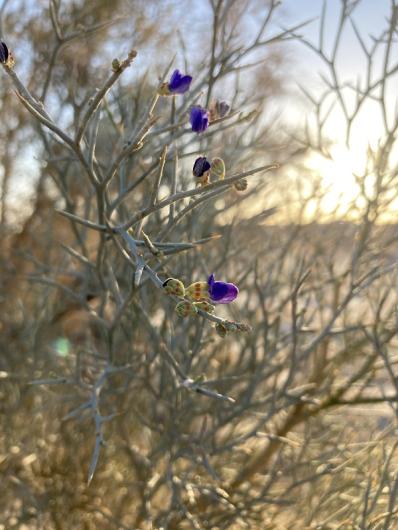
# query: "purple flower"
[[179, 83], [201, 166], [3, 52], [221, 292], [199, 119]]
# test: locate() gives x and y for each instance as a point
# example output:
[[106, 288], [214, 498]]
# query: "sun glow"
[[347, 175], [339, 186]]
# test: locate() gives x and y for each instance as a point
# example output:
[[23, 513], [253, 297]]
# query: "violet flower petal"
[[179, 83], [175, 79], [222, 292], [200, 166], [199, 119], [3, 52]]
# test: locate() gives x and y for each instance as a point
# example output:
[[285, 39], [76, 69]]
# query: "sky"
[[346, 160], [304, 68], [369, 16]]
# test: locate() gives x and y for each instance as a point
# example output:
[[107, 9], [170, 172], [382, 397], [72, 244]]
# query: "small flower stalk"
[[116, 65], [212, 291], [199, 119], [178, 84], [203, 297]]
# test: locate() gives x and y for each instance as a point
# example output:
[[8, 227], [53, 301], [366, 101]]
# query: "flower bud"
[[115, 65], [201, 170], [217, 169], [200, 379], [174, 286], [221, 330], [218, 109], [222, 108], [198, 291], [230, 326], [185, 309], [244, 328], [204, 305], [241, 185]]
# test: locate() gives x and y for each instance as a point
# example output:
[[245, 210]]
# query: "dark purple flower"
[[179, 83], [3, 52], [199, 119], [221, 292], [201, 166]]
